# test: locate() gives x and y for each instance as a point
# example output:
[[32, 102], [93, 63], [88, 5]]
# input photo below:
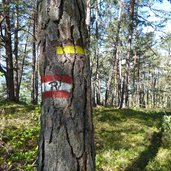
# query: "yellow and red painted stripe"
[[56, 86]]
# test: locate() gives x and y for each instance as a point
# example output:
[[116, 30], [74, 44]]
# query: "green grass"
[[19, 130], [130, 140], [126, 140]]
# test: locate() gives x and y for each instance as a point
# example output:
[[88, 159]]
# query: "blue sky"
[[165, 6]]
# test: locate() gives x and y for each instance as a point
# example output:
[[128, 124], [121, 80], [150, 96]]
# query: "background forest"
[[129, 51], [130, 59]]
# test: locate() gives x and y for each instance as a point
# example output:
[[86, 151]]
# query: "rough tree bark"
[[66, 137], [8, 48]]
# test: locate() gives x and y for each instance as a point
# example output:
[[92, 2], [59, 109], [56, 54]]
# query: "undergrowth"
[[126, 140], [19, 131]]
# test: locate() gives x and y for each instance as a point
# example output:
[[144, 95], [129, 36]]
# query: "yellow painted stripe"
[[70, 50]]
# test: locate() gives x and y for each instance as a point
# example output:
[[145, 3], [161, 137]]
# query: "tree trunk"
[[97, 87], [8, 49], [138, 81], [135, 53], [122, 94], [34, 91], [88, 20], [127, 73], [115, 53], [119, 79], [66, 137], [20, 73], [16, 79]]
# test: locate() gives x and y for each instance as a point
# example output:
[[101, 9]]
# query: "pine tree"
[[66, 137]]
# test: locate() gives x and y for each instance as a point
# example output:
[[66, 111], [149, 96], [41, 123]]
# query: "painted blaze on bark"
[[66, 137]]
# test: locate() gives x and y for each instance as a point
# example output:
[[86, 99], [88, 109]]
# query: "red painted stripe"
[[55, 94], [62, 78]]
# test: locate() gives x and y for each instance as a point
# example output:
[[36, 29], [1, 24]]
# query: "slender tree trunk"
[[34, 91], [135, 54], [97, 88], [88, 20], [88, 23], [154, 91], [127, 73], [93, 94], [8, 49], [115, 52], [147, 105], [66, 137], [138, 80], [16, 79], [36, 82], [122, 94], [119, 78], [106, 94], [20, 74]]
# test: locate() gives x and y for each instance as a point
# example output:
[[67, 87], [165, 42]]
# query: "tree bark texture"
[[8, 49], [66, 137], [16, 42]]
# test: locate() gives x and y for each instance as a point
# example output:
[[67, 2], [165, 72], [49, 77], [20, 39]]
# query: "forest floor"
[[126, 140]]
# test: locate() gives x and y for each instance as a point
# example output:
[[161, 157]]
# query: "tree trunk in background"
[[88, 22], [66, 137], [154, 81], [138, 81], [34, 91], [16, 79], [8, 49], [20, 74], [122, 94], [97, 79], [115, 55], [119, 78], [135, 54], [127, 73]]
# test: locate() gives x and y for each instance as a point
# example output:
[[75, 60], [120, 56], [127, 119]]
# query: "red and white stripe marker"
[[56, 86]]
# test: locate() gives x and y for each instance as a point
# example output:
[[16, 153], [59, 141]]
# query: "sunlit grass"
[[129, 140], [126, 140], [19, 130]]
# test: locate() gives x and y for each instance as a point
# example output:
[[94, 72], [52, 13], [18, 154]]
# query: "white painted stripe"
[[56, 85]]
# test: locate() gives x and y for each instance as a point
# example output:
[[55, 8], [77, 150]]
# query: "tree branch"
[[2, 70]]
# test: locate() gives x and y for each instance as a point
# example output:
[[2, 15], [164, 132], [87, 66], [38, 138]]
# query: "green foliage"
[[19, 130], [167, 123], [166, 131]]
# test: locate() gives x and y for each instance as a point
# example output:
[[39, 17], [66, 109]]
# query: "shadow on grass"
[[113, 116], [125, 132], [147, 155]]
